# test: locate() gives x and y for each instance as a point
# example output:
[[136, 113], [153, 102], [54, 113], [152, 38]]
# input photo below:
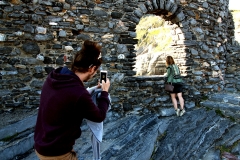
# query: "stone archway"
[[173, 13], [155, 41]]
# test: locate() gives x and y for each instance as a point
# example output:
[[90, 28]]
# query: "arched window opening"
[[155, 36]]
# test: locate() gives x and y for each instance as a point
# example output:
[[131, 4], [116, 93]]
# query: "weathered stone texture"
[[38, 35]]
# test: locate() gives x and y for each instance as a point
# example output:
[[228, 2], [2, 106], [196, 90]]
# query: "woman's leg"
[[181, 100], [174, 100]]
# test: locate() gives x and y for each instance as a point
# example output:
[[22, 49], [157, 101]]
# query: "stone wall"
[[40, 35]]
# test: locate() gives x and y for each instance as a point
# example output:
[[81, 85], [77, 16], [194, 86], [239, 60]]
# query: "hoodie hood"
[[62, 77]]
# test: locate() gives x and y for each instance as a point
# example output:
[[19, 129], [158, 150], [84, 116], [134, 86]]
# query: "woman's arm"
[[168, 71], [168, 76]]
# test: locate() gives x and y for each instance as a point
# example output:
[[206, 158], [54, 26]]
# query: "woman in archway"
[[173, 76]]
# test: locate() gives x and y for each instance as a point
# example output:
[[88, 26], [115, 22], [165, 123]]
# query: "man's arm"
[[92, 112]]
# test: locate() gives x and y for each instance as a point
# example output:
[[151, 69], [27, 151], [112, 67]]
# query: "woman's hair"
[[170, 60], [87, 57]]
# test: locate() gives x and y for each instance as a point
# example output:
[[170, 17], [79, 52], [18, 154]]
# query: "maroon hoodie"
[[63, 105]]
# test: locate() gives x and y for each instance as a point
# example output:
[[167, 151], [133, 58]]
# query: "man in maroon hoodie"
[[65, 102]]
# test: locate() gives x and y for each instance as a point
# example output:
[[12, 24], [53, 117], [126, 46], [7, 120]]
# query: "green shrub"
[[9, 138], [151, 30], [219, 112]]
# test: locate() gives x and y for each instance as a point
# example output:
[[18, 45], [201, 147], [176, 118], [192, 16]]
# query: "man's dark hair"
[[87, 57]]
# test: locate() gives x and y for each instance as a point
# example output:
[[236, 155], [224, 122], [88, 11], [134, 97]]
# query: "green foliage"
[[208, 109], [150, 21], [204, 98], [9, 138], [232, 119], [223, 148], [236, 19], [151, 31], [219, 112], [236, 15], [160, 137]]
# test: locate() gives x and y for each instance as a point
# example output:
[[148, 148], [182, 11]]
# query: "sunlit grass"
[[155, 36], [151, 30], [150, 21], [236, 19], [236, 15]]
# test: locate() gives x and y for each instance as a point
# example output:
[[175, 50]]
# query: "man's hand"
[[99, 84], [105, 86]]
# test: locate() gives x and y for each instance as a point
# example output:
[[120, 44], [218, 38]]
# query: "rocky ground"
[[208, 132], [13, 116]]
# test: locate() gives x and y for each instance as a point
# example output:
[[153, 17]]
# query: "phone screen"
[[103, 76]]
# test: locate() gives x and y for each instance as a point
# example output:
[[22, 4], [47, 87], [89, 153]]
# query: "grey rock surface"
[[190, 136], [200, 134], [17, 148], [28, 122], [196, 135]]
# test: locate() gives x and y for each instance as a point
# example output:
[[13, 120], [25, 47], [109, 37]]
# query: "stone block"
[[149, 5], [165, 112], [127, 107], [116, 15], [173, 8], [167, 5], [155, 5], [46, 37], [143, 8], [100, 13], [138, 13], [161, 4], [179, 17]]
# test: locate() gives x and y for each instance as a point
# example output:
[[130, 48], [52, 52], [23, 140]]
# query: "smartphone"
[[103, 76]]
